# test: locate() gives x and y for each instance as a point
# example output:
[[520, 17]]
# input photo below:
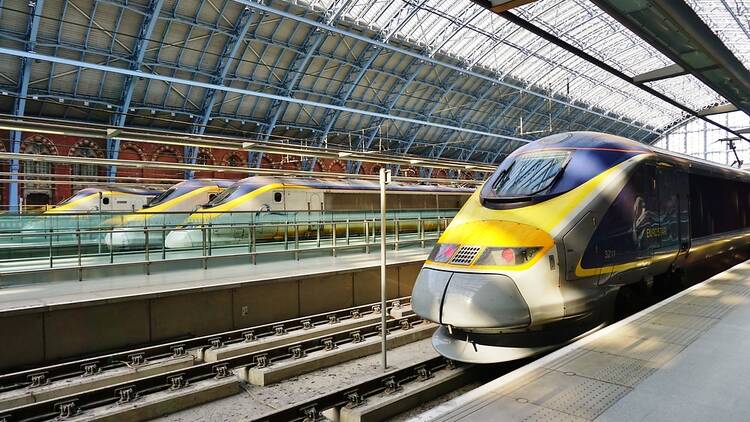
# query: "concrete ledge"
[[384, 406], [163, 403], [212, 355], [129, 311], [69, 386], [324, 359]]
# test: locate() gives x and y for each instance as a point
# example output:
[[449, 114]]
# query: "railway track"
[[25, 384], [41, 376], [354, 396]]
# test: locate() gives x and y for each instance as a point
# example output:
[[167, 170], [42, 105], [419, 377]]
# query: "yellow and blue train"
[[271, 203], [547, 247], [167, 209], [104, 200]]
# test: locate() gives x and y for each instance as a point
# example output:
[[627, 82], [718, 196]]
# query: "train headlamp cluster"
[[490, 256], [507, 256], [443, 252]]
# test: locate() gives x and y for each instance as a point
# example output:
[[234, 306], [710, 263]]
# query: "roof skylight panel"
[[688, 90]]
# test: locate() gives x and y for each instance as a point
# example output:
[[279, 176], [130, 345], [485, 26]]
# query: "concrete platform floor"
[[684, 359], [255, 401]]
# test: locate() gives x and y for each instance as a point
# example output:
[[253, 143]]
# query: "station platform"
[[62, 294], [683, 359], [50, 321]]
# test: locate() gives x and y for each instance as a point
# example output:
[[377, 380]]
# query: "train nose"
[[183, 239], [469, 300]]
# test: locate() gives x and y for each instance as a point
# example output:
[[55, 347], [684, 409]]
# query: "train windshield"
[[231, 193], [161, 198], [78, 195], [530, 174]]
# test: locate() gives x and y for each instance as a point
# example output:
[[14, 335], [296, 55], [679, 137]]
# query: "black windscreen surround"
[[162, 197], [531, 173], [540, 174]]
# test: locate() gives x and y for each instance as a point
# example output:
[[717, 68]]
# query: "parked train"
[[168, 209], [271, 202], [108, 199], [85, 211], [94, 206], [548, 246]]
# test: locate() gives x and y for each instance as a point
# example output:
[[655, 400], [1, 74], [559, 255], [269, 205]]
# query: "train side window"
[[105, 201], [278, 196], [211, 197]]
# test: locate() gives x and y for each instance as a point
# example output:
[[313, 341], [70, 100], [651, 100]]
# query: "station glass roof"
[[478, 37]]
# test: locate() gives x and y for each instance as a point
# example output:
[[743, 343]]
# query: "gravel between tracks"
[[255, 401]]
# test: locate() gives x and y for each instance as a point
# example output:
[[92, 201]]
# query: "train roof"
[[351, 184], [120, 189], [198, 183], [587, 140], [606, 141]]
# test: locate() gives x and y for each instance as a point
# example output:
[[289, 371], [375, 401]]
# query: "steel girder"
[[20, 105], [205, 85], [139, 52], [677, 31], [312, 43], [231, 48], [372, 51], [485, 92], [352, 80], [462, 70], [415, 68], [411, 134]]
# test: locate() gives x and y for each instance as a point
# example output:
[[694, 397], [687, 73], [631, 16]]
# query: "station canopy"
[[479, 37], [433, 78]]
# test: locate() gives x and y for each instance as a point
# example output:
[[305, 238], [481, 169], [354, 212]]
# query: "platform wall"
[[53, 335]]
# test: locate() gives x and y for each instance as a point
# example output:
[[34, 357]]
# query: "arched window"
[[36, 191], [86, 149], [234, 161], [167, 154], [337, 167], [704, 140], [38, 145], [204, 158], [132, 152]]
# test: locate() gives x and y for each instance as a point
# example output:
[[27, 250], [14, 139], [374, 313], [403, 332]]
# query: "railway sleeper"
[[226, 351]]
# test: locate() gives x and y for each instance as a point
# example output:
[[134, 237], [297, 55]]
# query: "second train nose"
[[183, 239]]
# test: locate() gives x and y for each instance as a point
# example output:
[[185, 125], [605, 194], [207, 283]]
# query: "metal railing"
[[291, 235]]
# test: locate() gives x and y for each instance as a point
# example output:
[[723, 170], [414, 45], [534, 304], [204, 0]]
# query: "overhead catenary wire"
[[236, 131], [61, 127]]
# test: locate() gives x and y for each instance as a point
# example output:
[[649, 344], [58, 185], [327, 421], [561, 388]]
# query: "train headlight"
[[442, 252], [507, 256]]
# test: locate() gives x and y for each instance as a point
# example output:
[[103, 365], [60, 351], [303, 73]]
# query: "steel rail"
[[86, 367], [127, 392]]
